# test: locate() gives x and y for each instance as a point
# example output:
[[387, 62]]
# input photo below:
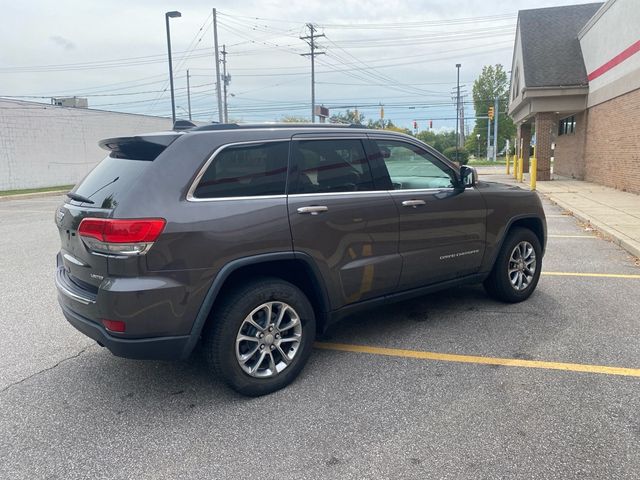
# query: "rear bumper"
[[156, 348]]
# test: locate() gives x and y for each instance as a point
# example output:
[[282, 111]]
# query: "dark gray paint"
[[362, 250]]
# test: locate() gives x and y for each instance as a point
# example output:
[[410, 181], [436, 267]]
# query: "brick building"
[[575, 83]]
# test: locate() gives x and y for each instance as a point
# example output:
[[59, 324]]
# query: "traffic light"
[[430, 124], [415, 125], [490, 113]]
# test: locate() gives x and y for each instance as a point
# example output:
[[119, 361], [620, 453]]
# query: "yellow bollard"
[[533, 165], [515, 166], [508, 160], [520, 169]]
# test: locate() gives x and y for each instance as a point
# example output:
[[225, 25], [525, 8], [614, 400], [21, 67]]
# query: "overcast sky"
[[398, 53]]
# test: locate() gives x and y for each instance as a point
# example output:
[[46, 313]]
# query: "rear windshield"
[[109, 180]]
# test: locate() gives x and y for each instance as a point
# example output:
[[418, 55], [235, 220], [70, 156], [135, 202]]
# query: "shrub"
[[462, 157]]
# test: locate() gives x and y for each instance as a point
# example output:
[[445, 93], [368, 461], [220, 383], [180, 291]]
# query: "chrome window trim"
[[190, 193], [326, 194], [424, 190]]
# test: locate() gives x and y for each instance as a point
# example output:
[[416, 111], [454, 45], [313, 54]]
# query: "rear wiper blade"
[[79, 198]]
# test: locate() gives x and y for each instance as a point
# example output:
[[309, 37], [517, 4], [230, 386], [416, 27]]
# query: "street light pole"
[[458, 65], [167, 16]]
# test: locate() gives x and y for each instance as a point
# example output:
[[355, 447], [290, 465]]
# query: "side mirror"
[[468, 176]]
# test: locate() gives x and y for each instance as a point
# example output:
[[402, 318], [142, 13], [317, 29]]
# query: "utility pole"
[[188, 94], [462, 132], [488, 136], [215, 47], [310, 39], [458, 65], [495, 129], [225, 82]]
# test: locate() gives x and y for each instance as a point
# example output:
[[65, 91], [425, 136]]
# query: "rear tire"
[[260, 336], [516, 271]]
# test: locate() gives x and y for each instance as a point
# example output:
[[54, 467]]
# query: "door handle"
[[413, 203], [313, 210]]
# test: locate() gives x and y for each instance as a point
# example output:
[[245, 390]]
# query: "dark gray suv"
[[254, 238]]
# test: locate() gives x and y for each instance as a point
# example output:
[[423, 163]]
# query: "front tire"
[[260, 336], [516, 271]]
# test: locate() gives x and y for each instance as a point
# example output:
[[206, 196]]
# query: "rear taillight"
[[120, 237]]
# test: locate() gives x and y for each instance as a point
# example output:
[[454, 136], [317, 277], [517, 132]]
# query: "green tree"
[[349, 116], [490, 83], [440, 141], [294, 119]]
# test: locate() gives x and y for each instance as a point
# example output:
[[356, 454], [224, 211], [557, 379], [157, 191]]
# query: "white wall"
[[43, 145], [613, 29]]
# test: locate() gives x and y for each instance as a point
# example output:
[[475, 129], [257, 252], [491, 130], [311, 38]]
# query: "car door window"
[[328, 166], [411, 167], [246, 171]]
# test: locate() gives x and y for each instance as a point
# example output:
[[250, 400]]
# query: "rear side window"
[[326, 166], [246, 171], [110, 180]]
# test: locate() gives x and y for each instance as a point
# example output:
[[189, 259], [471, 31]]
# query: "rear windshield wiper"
[[79, 198]]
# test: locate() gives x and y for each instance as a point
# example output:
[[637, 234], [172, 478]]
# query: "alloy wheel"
[[522, 266], [268, 339]]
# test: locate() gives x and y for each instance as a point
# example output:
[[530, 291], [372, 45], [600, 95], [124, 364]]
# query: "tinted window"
[[326, 166], [411, 167], [109, 180], [246, 171]]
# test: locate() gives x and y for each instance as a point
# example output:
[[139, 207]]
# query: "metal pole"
[[224, 83], [458, 65], [313, 75], [173, 100], [217, 55], [188, 94], [310, 39], [488, 136], [495, 129]]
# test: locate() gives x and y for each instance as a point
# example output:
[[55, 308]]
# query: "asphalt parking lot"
[[526, 391]]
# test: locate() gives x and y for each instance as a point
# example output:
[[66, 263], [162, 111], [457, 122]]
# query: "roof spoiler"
[[179, 125], [143, 147]]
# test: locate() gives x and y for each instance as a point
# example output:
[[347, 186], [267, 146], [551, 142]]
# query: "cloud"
[[62, 42]]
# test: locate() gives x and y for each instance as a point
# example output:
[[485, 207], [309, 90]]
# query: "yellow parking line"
[[506, 362], [603, 275], [572, 236]]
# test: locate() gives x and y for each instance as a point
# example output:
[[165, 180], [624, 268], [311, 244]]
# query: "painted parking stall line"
[[505, 362], [588, 237], [630, 276]]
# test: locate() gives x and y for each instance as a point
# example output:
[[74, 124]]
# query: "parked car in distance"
[[254, 238]]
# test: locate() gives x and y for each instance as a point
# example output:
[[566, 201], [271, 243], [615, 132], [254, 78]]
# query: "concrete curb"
[[629, 245], [20, 196]]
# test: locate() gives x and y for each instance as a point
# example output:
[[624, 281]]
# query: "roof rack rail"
[[233, 126]]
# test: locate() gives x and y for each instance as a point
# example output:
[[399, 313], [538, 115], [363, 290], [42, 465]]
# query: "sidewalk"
[[612, 212]]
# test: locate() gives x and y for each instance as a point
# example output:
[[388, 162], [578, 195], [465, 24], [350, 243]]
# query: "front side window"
[[246, 171], [328, 166], [410, 167]]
